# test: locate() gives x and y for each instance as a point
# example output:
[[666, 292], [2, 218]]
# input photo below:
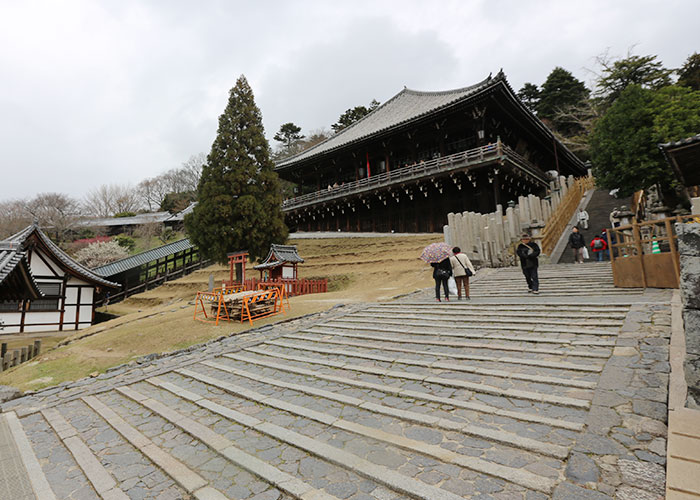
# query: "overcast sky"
[[100, 92]]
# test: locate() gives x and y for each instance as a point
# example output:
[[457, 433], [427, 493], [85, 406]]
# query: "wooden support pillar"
[[77, 308], [15, 357], [3, 349], [23, 354], [7, 360]]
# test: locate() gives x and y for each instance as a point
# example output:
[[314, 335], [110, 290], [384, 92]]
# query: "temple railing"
[[442, 165]]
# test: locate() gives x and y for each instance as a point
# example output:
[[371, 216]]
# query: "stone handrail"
[[557, 222], [442, 164]]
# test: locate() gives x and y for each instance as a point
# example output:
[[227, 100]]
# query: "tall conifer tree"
[[240, 203]]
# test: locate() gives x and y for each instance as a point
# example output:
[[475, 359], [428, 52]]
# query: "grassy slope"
[[359, 269]]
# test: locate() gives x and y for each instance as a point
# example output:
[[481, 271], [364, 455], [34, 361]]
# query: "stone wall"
[[489, 238], [689, 249]]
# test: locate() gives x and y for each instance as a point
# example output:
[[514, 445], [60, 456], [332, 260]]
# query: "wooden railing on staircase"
[[562, 215]]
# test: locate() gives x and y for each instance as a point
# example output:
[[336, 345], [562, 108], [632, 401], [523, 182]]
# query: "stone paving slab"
[[551, 398]]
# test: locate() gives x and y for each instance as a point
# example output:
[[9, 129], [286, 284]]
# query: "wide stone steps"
[[407, 399]]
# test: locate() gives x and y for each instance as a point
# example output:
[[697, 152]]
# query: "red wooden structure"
[[236, 262]]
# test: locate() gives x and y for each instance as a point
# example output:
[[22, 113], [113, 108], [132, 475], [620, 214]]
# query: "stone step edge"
[[428, 321], [185, 477], [377, 326], [474, 387], [37, 478], [398, 391], [102, 481], [473, 312], [559, 365], [430, 379], [502, 437], [442, 365], [586, 307], [471, 345], [516, 476], [377, 473], [225, 447], [487, 319]]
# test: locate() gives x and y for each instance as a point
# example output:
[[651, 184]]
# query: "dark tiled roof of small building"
[[119, 266], [403, 107], [16, 275], [134, 220], [682, 142], [279, 255], [19, 239]]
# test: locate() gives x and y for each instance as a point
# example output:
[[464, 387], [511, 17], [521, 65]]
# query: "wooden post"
[[23, 354], [674, 249], [638, 243], [3, 349], [7, 360], [15, 357], [37, 347]]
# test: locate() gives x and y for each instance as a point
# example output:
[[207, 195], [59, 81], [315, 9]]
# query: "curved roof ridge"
[[21, 236], [486, 80], [403, 107]]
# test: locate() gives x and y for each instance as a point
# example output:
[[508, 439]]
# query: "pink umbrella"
[[436, 252]]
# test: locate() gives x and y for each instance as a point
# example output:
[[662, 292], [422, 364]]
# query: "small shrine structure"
[[280, 263]]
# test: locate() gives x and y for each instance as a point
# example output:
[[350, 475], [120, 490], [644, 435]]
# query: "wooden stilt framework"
[[233, 302], [280, 286]]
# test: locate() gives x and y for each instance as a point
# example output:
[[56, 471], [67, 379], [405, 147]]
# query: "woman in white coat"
[[462, 269]]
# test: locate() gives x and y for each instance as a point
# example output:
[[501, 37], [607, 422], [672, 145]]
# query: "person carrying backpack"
[[598, 247], [529, 251]]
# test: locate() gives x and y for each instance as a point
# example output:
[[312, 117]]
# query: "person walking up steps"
[[462, 269], [583, 218], [529, 251], [441, 273], [598, 247], [577, 243]]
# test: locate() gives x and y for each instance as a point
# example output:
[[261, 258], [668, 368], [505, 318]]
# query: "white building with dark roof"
[[42, 288]]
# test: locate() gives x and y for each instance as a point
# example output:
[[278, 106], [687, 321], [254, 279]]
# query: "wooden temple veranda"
[[421, 155]]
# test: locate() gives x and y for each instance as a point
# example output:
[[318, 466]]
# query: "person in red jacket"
[[598, 247]]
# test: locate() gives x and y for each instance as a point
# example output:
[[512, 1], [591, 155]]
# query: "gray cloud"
[[96, 92]]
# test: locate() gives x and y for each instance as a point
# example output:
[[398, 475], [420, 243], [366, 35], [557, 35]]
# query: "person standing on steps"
[[529, 251], [441, 273], [577, 243], [598, 247], [462, 269], [583, 218]]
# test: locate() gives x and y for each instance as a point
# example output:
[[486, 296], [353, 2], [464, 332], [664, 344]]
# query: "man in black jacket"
[[577, 243], [529, 251]]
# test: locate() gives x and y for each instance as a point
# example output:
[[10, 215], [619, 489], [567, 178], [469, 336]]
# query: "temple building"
[[421, 155], [42, 288]]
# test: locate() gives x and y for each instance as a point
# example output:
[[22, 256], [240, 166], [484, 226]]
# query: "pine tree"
[[239, 192], [559, 93]]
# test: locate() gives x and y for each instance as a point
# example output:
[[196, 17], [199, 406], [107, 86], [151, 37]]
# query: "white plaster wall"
[[39, 267], [9, 318]]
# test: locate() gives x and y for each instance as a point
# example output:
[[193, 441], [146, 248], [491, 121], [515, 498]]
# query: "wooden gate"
[[645, 255]]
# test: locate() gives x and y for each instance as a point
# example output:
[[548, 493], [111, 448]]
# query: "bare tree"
[[56, 212], [13, 217], [183, 179], [191, 171], [152, 192], [110, 199]]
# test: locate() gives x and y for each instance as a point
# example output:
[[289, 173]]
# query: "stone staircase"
[[566, 280], [406, 399]]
